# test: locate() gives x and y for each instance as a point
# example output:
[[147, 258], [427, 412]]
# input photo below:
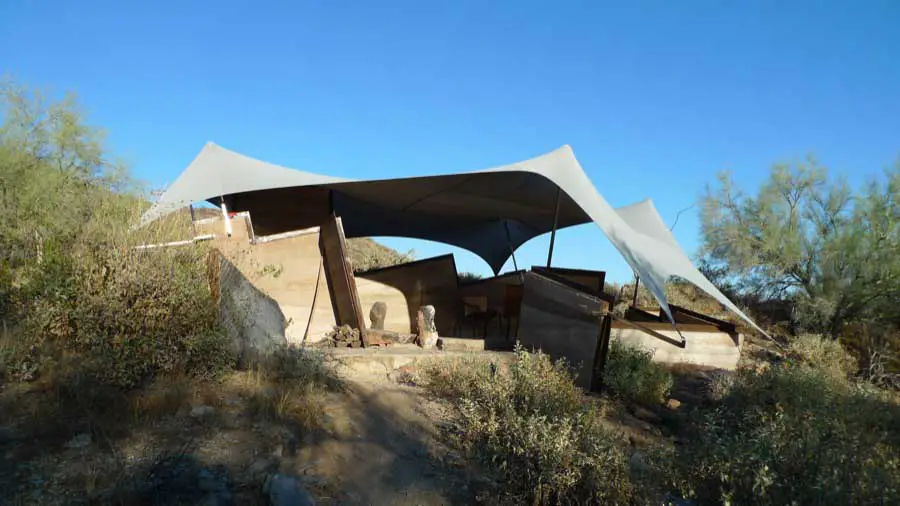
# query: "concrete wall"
[[287, 269], [711, 349], [405, 288]]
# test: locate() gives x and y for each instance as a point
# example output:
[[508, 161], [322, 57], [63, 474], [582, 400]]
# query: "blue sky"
[[654, 97]]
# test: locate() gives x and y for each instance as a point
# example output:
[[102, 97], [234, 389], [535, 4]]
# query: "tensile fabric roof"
[[489, 212]]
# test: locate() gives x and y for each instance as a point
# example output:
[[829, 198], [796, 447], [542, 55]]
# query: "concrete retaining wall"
[[711, 349]]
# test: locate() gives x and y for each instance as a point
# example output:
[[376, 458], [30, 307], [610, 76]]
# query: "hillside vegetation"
[[102, 345]]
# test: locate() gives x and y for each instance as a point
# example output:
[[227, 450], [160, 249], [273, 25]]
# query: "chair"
[[475, 311], [512, 306]]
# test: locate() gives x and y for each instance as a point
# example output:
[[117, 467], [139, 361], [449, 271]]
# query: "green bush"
[[632, 375], [793, 434], [826, 355], [531, 426], [72, 285]]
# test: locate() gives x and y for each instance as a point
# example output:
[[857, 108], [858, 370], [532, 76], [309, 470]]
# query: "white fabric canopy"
[[490, 212]]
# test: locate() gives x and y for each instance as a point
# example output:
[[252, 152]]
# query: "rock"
[[79, 441], [428, 334], [377, 315], [287, 490], [202, 411], [673, 404], [646, 415]]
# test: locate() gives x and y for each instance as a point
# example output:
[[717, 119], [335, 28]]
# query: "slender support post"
[[602, 356], [553, 231], [512, 252], [225, 217], [193, 218], [637, 284]]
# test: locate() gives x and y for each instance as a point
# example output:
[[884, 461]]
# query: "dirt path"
[[381, 445]]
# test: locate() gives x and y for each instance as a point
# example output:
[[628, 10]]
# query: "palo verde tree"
[[831, 251]]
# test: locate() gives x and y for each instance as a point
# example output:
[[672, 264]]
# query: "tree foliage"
[[71, 282], [833, 251]]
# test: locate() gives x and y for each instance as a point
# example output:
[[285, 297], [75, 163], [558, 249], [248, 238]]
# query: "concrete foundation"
[[711, 349]]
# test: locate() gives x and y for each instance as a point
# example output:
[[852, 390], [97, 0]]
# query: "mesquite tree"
[[833, 251]]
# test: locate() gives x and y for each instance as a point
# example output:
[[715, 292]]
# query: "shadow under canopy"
[[489, 212]]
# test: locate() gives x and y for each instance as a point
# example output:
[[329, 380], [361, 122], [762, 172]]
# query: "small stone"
[[79, 441], [286, 490], [673, 404], [202, 411], [428, 334], [377, 315]]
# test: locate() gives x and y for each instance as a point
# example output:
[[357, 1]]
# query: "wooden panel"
[[282, 209], [562, 322], [493, 292], [341, 283], [406, 287], [702, 318], [592, 281], [493, 288]]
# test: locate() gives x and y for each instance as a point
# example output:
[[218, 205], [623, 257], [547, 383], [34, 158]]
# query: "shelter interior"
[[301, 283]]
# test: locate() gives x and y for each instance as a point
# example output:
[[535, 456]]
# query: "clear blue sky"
[[654, 97]]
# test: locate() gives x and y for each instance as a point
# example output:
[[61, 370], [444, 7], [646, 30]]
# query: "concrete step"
[[386, 360]]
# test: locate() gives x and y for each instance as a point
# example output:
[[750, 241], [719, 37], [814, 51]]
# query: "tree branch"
[[677, 216]]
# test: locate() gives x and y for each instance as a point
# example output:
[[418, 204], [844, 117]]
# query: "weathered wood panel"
[[493, 290], [562, 322], [406, 287], [340, 276], [282, 209], [592, 281]]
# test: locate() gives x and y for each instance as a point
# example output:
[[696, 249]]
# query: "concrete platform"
[[462, 344], [385, 360]]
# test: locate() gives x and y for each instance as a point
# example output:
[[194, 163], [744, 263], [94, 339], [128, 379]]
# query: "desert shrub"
[[468, 277], [632, 375], [300, 365], [72, 283], [289, 383], [825, 355], [720, 385], [530, 425], [793, 434]]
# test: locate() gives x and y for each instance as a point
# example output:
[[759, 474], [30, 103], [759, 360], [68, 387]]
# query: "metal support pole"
[[602, 356], [512, 252], [193, 219], [553, 231], [637, 284], [225, 217]]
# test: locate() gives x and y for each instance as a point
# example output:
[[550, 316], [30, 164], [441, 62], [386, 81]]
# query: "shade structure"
[[489, 212]]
